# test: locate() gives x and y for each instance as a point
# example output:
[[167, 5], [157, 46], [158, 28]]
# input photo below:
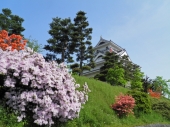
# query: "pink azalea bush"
[[124, 105], [45, 89]]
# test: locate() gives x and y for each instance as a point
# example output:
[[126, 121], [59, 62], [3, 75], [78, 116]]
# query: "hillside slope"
[[97, 111]]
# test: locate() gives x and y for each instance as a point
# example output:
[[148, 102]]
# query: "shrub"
[[142, 101], [162, 107], [115, 76], [124, 105], [41, 90], [13, 41], [154, 94]]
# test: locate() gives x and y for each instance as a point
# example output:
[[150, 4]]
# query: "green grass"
[[97, 112], [8, 119]]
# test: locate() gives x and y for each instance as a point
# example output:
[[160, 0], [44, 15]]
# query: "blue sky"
[[142, 27]]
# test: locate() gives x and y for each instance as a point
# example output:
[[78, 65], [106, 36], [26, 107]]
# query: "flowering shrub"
[[14, 41], [45, 89], [124, 105], [154, 94]]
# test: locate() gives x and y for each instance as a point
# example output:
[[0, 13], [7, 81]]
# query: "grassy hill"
[[97, 112]]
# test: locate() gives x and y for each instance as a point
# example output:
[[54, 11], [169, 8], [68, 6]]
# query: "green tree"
[[136, 83], [61, 31], [75, 68], [82, 37], [142, 101], [115, 76], [11, 23], [147, 84], [111, 59], [33, 44], [128, 66], [161, 85]]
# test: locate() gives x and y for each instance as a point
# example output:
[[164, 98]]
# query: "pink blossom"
[[46, 85]]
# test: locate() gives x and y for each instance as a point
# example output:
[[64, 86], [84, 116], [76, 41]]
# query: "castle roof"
[[103, 42]]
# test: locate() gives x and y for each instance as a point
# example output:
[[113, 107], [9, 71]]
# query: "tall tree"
[[136, 83], [82, 37], [61, 31], [11, 23]]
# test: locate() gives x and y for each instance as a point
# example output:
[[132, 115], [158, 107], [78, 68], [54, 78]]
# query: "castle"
[[99, 50]]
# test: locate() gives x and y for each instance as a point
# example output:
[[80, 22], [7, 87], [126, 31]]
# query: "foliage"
[[142, 101], [128, 66], [147, 84], [61, 41], [11, 42], [124, 105], [160, 84], [136, 82], [42, 91], [75, 65], [162, 107], [111, 60], [115, 76], [76, 68], [7, 118], [154, 94], [11, 23], [33, 44], [82, 37]]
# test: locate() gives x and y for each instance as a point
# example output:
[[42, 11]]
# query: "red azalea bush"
[[124, 105], [13, 41], [154, 94]]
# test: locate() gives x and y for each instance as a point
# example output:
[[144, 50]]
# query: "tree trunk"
[[63, 51], [62, 55], [81, 61]]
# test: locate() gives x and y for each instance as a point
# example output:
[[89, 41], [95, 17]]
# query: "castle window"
[[100, 56], [101, 43]]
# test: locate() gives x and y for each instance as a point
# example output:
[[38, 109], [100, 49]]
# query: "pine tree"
[[136, 83], [111, 59], [61, 42], [147, 84], [128, 66], [11, 23], [82, 37]]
